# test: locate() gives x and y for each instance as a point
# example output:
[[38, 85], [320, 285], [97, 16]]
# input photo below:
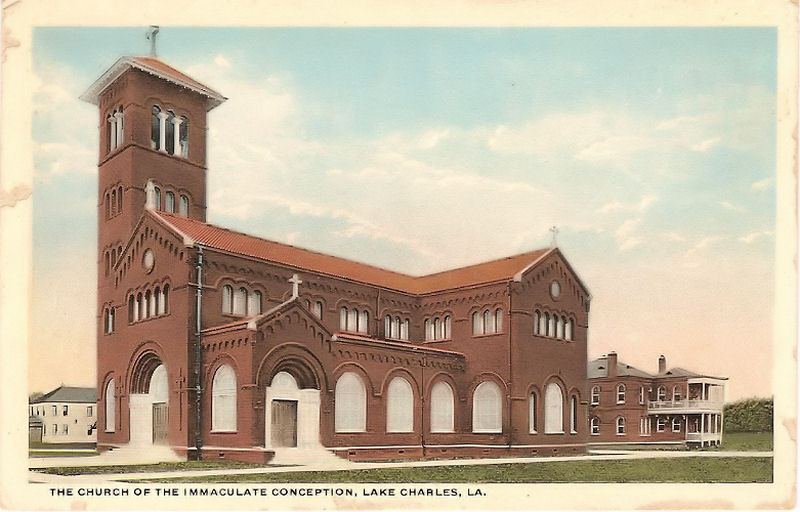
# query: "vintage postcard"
[[470, 255]]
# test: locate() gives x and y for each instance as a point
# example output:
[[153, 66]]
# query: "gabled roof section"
[[683, 372], [598, 369], [156, 68], [234, 242], [69, 394]]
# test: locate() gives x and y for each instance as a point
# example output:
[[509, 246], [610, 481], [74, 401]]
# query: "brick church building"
[[220, 344]]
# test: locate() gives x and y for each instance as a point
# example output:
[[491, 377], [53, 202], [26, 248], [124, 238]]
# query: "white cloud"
[[764, 184], [706, 144], [732, 207], [703, 244], [675, 122], [753, 237], [628, 227], [643, 205], [221, 61]]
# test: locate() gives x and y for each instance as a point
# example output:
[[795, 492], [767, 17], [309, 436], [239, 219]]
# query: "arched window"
[[318, 309], [396, 328], [352, 320], [165, 298], [169, 202], [152, 304], [159, 304], [477, 323], [140, 307], [553, 409], [559, 327], [595, 425], [437, 329], [131, 309], [488, 322], [183, 206], [399, 406], [404, 329], [542, 325], [620, 393], [184, 137], [113, 202], [548, 330], [350, 403], [107, 257], [487, 408], [573, 415], [569, 328], [428, 329], [551, 328], [363, 321], [532, 413], [387, 326], [111, 405], [676, 393], [343, 319], [223, 399], [240, 301], [169, 137], [596, 395], [620, 426], [155, 128], [662, 393], [537, 317], [108, 206], [442, 408], [498, 320], [112, 132], [676, 424], [157, 198], [447, 327], [119, 199], [254, 303]]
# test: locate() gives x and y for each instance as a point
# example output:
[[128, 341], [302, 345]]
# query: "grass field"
[[746, 441], [146, 468], [690, 469]]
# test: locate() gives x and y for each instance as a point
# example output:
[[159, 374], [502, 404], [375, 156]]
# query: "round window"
[[148, 260], [555, 288]]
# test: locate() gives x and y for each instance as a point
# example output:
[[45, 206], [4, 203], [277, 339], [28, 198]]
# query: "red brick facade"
[[629, 406], [149, 261]]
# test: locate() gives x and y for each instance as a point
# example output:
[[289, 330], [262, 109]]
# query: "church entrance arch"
[[292, 412], [149, 402]]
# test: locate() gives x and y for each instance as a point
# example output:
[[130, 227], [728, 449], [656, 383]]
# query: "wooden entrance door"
[[160, 423], [284, 423]]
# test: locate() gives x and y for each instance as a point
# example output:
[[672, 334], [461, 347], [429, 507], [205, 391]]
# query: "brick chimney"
[[611, 360], [662, 364]]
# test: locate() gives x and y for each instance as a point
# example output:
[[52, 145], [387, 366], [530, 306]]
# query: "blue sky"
[[652, 150]]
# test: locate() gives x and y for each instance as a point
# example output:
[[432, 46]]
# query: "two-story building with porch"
[[675, 406]]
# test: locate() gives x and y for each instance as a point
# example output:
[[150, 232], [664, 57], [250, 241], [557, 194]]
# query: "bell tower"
[[152, 155], [152, 147]]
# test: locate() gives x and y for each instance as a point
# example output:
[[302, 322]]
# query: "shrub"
[[749, 415]]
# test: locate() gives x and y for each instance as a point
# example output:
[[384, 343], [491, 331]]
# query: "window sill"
[[493, 431], [622, 434], [487, 334], [443, 431], [399, 431], [595, 434], [223, 432], [595, 403], [544, 336], [620, 403], [560, 433], [573, 432], [533, 432], [350, 432]]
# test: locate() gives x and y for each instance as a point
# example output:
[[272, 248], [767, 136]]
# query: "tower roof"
[[156, 68], [246, 245]]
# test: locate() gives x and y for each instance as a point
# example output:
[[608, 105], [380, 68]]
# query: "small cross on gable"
[[295, 280]]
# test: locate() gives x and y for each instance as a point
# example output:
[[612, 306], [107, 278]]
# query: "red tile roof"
[[304, 259], [170, 71]]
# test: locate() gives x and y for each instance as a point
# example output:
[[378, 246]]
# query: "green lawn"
[[145, 468], [34, 454], [747, 441], [690, 469]]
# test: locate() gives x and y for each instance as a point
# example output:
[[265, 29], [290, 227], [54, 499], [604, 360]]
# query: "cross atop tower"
[[151, 35], [554, 231], [295, 280]]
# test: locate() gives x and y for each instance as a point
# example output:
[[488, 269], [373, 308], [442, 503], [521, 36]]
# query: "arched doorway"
[[149, 403], [292, 412]]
